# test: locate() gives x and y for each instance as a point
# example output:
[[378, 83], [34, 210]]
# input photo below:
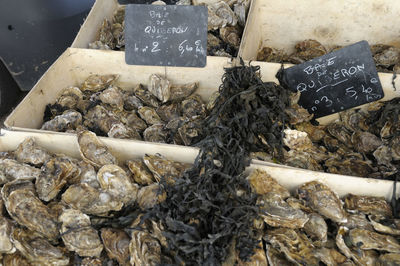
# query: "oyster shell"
[[388, 259], [220, 15], [230, 35], [298, 205], [70, 119], [93, 151], [150, 195], [160, 87], [258, 259], [29, 152], [38, 250], [315, 133], [276, 258], [156, 133], [387, 57], [269, 54], [69, 97], [366, 240], [114, 180], [368, 205], [11, 169], [55, 174], [95, 83], [144, 249], [168, 112], [365, 142], [337, 130], [120, 131], [100, 118], [262, 183], [307, 50], [6, 228], [149, 115], [113, 96], [90, 200], [383, 155], [295, 245], [353, 120], [301, 159], [277, 213], [323, 200], [26, 209], [193, 107], [15, 259], [357, 220], [180, 92], [297, 140], [384, 225], [78, 235], [190, 130], [141, 174], [212, 101], [316, 228], [116, 243], [88, 175], [132, 102], [133, 121], [145, 96], [164, 168]]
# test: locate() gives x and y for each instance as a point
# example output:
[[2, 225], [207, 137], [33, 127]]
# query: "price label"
[[337, 81], [166, 35]]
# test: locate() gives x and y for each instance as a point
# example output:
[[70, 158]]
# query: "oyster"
[[389, 259], [114, 180], [100, 118], [277, 213], [383, 155], [368, 205], [95, 83], [11, 169], [132, 102], [365, 240], [93, 150], [323, 200], [316, 228], [307, 50], [70, 119], [6, 228], [164, 168], [357, 220], [116, 243], [90, 200], [168, 112], [26, 209], [150, 195], [365, 142], [269, 54], [220, 15], [149, 115], [387, 57], [262, 183], [69, 97], [145, 96], [230, 35], [144, 249], [258, 259], [15, 259], [190, 130], [88, 175], [133, 121], [297, 140], [180, 92], [55, 174], [301, 159], [298, 205], [353, 120], [193, 106], [78, 235], [141, 173], [29, 152], [38, 250], [160, 87], [315, 133], [156, 133], [276, 258], [212, 100], [384, 225], [337, 130], [113, 96], [120, 131], [295, 245]]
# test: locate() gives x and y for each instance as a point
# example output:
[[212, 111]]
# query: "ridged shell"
[[141, 174], [70, 119], [95, 83], [116, 243]]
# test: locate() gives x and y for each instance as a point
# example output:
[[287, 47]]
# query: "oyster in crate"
[[88, 175], [315, 133], [150, 195], [69, 97], [120, 131], [133, 121], [113, 96], [387, 57], [141, 174], [262, 183], [160, 87], [6, 228], [15, 259], [316, 228], [389, 259], [230, 35], [190, 130], [368, 205], [181, 92], [114, 180], [55, 174], [132, 102], [11, 170], [220, 15], [168, 112], [149, 115], [357, 220], [337, 130], [144, 249], [78, 235], [385, 225], [323, 200], [29, 152], [365, 142], [277, 213], [269, 54], [27, 210], [193, 107], [156, 133], [69, 120], [366, 240], [38, 250], [95, 83], [307, 50], [100, 118], [145, 96], [89, 200], [116, 243], [93, 150], [276, 258], [353, 120], [164, 168]]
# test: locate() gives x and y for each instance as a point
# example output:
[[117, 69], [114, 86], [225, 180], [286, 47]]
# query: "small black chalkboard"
[[166, 35], [336, 81]]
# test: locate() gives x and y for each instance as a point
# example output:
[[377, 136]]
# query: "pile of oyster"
[[52, 205], [160, 112], [315, 227], [226, 21], [386, 57]]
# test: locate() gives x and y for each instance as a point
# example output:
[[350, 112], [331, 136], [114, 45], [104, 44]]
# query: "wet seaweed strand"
[[212, 206]]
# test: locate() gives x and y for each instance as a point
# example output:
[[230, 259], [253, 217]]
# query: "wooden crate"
[[288, 177], [282, 24]]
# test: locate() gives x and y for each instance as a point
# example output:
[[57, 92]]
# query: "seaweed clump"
[[212, 207]]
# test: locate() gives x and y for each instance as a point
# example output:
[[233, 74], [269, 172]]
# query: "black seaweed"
[[53, 110]]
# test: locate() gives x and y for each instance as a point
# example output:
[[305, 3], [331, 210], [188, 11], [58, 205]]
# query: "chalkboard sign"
[[336, 81], [166, 35]]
